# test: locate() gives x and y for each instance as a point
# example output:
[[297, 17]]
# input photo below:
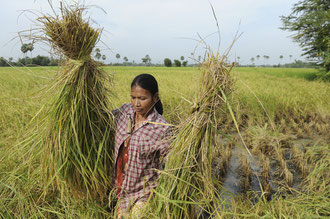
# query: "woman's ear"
[[155, 98]]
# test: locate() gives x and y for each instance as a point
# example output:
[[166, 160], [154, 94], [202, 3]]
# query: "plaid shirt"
[[147, 147]]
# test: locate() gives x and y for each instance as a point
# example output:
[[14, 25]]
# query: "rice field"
[[283, 117]]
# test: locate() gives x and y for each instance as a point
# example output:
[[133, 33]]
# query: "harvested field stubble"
[[20, 164]]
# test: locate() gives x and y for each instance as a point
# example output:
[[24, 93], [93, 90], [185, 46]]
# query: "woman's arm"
[[163, 145]]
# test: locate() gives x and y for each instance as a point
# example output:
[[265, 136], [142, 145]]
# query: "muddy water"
[[231, 181], [231, 187]]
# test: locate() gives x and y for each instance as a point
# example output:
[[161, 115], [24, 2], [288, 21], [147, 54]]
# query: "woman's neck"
[[139, 118]]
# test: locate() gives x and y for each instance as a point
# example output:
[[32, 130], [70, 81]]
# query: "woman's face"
[[142, 100]]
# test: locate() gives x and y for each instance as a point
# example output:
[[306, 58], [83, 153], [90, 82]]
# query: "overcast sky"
[[167, 28]]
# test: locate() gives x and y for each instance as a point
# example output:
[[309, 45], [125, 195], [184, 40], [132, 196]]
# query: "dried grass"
[[186, 186], [76, 128]]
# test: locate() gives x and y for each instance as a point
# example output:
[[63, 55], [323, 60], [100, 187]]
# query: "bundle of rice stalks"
[[186, 186], [77, 131]]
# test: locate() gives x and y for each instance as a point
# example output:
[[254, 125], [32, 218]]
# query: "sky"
[[167, 28]]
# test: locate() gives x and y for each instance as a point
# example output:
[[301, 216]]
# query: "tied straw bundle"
[[187, 181], [77, 139]]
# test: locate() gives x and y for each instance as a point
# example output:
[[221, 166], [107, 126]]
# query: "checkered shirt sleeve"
[[147, 145]]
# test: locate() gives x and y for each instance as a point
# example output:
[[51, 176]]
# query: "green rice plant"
[[186, 186], [76, 129]]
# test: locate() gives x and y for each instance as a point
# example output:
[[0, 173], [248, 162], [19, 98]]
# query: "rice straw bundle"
[[77, 141], [186, 180]]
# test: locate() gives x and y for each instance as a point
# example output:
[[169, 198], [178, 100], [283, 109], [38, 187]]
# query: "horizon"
[[170, 29]]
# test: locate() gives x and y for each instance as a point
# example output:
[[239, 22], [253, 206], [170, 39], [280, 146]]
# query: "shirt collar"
[[150, 118]]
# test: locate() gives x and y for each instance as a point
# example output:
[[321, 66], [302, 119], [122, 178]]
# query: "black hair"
[[149, 83]]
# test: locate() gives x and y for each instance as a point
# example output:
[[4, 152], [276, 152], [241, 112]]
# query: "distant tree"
[[167, 62], [309, 20], [238, 58], [184, 63], [265, 58], [252, 60], [177, 63], [104, 57], [182, 58], [125, 59], [41, 60], [118, 57], [3, 62], [147, 60], [281, 57], [53, 62]]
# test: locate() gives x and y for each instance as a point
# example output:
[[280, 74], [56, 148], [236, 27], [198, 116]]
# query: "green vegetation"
[[309, 20], [167, 62], [177, 63], [298, 116]]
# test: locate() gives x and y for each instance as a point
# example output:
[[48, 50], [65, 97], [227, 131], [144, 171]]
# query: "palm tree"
[[118, 56], [265, 57], [258, 56], [281, 57], [252, 60]]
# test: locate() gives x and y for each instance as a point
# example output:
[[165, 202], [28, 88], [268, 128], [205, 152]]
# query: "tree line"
[[36, 61]]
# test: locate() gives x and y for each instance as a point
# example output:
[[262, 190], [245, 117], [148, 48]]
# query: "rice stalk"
[[288, 177], [245, 172], [186, 186], [77, 125], [300, 160], [265, 171]]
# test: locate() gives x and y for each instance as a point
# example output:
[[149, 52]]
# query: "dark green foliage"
[[36, 61], [41, 60], [3, 62], [177, 63], [147, 60], [167, 62], [310, 22]]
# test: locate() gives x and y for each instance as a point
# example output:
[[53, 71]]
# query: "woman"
[[140, 144]]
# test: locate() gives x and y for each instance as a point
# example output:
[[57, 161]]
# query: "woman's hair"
[[149, 83]]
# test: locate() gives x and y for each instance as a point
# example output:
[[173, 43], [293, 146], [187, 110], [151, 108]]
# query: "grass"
[[297, 108]]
